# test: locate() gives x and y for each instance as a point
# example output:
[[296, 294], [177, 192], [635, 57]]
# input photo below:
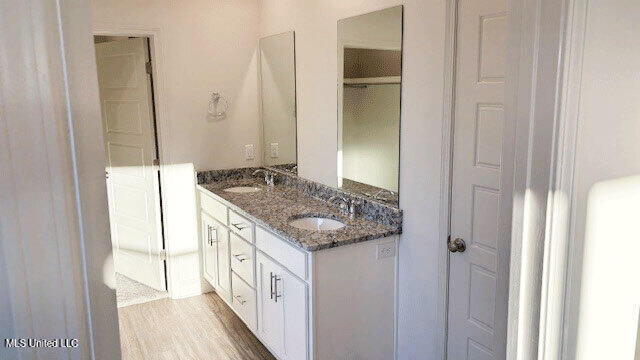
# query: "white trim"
[[556, 299], [542, 145], [174, 285], [440, 350]]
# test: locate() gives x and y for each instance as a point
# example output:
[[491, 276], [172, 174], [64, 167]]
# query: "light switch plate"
[[249, 152], [385, 250], [275, 150]]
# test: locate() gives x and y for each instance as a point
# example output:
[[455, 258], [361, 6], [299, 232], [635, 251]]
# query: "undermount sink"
[[242, 189], [316, 223]]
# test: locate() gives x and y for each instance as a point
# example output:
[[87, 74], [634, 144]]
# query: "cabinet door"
[[282, 310], [221, 243], [209, 249], [293, 294], [270, 311]]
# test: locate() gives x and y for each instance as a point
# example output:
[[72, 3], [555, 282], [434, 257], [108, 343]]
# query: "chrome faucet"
[[344, 203], [353, 207], [269, 178], [347, 206]]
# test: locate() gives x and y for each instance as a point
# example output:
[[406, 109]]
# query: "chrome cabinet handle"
[[240, 299], [456, 245], [241, 257], [271, 284], [240, 226], [276, 278], [212, 235]]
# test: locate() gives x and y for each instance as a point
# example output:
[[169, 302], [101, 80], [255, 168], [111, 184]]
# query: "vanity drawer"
[[244, 301], [241, 226], [213, 207], [242, 258], [292, 258]]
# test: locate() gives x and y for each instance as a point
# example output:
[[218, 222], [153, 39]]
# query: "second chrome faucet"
[[269, 177], [347, 205]]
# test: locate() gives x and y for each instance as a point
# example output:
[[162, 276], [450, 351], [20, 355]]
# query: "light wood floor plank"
[[197, 328]]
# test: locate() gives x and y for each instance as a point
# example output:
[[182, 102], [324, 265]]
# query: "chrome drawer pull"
[[241, 226], [241, 257], [240, 300]]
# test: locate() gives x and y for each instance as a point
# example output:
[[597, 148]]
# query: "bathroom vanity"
[[311, 269], [306, 294]]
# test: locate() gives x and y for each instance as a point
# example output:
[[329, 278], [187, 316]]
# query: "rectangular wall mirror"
[[369, 84], [278, 92]]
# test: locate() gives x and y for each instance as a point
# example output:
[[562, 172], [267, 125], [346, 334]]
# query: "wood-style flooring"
[[196, 328]]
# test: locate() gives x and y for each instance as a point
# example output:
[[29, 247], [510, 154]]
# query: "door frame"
[[513, 59], [544, 58], [161, 122]]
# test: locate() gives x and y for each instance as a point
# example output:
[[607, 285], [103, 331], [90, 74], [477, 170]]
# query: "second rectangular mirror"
[[369, 83], [278, 92]]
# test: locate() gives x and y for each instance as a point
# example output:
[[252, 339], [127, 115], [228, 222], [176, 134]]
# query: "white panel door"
[[478, 276], [132, 177]]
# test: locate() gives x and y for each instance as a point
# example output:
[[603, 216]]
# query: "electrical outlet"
[[249, 152], [385, 250], [275, 150]]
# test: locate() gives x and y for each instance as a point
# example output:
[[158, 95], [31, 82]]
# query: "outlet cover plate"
[[386, 250], [249, 152], [275, 150]]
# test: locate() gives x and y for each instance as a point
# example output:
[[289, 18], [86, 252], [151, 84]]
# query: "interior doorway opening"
[[125, 78]]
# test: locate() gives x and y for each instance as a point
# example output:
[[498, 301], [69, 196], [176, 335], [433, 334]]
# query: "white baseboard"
[[189, 289]]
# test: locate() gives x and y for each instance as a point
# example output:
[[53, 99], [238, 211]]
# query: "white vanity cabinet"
[[335, 303]]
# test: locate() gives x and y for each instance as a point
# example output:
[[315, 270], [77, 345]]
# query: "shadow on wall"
[[609, 311]]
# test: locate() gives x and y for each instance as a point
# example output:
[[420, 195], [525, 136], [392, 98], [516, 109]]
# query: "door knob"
[[456, 245]]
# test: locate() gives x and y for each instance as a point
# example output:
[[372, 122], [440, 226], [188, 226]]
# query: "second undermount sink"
[[316, 223], [242, 189]]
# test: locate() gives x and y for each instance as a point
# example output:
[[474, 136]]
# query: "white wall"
[[315, 24], [606, 308], [206, 46]]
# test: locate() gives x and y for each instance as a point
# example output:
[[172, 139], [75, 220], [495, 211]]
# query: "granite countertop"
[[273, 208]]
